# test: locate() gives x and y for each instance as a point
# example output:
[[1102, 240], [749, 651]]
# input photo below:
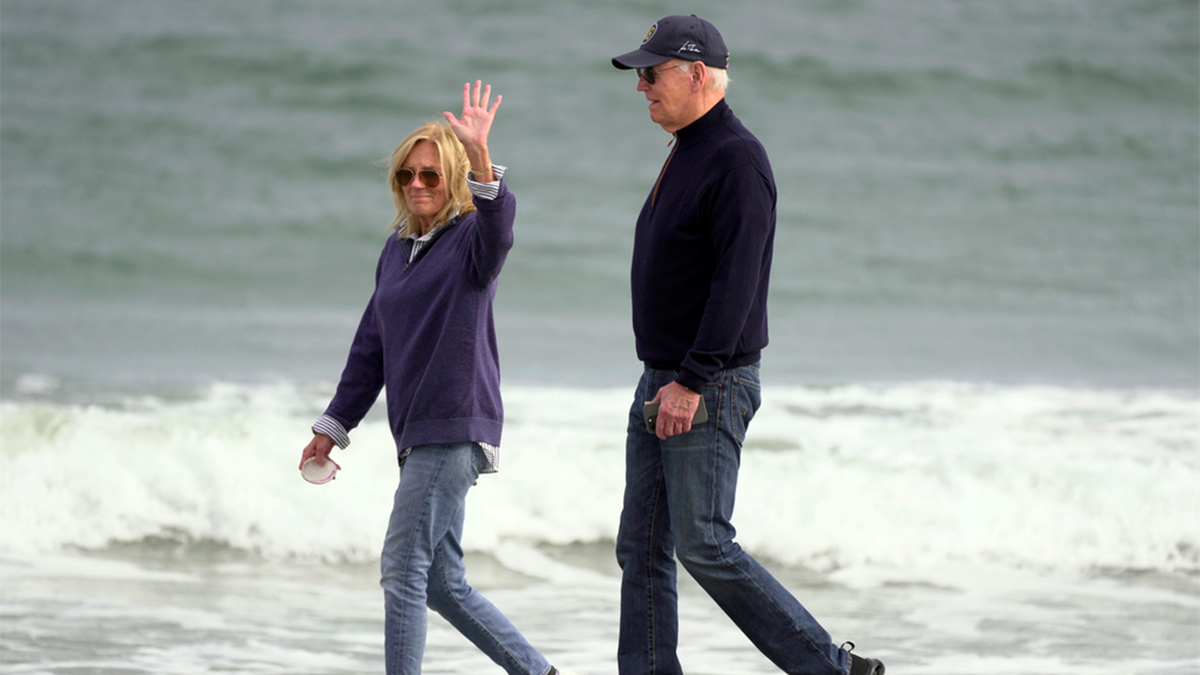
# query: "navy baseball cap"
[[678, 37]]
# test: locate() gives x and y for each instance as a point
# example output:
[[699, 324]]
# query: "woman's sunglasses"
[[429, 177]]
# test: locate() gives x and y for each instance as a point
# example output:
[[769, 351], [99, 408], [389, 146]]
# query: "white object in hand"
[[317, 473]]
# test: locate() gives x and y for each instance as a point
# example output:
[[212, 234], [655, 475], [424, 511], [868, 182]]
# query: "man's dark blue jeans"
[[679, 497]]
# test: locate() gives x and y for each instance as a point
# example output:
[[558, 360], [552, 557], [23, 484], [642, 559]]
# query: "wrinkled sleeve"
[[362, 378], [743, 218], [492, 237]]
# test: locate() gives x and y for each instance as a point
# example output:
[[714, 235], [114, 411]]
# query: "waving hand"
[[473, 127]]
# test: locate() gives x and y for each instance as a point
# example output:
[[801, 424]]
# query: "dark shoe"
[[863, 666]]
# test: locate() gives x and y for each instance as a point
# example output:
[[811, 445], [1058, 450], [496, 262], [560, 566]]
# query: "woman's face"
[[423, 201]]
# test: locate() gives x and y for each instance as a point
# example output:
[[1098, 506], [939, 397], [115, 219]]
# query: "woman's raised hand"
[[476, 122]]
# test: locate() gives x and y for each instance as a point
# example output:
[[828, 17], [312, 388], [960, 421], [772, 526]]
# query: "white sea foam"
[[892, 476]]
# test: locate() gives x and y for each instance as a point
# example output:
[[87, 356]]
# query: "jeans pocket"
[[745, 398]]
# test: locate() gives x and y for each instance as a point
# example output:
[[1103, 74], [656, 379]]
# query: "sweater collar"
[[435, 232], [715, 117]]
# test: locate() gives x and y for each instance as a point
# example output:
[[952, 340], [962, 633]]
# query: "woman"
[[427, 336]]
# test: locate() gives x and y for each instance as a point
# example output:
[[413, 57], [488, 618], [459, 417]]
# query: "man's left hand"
[[676, 407]]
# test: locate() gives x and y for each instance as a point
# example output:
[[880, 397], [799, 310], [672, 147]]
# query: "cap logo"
[[691, 47], [650, 33]]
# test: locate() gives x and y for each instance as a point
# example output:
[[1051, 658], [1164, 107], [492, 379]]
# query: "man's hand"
[[676, 407]]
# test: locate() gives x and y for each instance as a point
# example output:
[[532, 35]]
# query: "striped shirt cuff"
[[333, 429], [488, 191]]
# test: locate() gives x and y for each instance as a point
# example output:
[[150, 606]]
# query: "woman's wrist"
[[479, 158], [481, 169]]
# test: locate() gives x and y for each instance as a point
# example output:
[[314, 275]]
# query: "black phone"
[[650, 412]]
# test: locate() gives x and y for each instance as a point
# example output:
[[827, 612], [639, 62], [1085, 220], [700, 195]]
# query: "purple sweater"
[[428, 335]]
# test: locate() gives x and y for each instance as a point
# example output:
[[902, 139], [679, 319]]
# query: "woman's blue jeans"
[[422, 564], [679, 497]]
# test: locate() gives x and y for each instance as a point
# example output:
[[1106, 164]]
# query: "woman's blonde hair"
[[455, 166]]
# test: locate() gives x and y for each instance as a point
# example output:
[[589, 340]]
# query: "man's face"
[[671, 95]]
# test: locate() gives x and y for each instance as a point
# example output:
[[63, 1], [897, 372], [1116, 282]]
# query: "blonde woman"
[[428, 338]]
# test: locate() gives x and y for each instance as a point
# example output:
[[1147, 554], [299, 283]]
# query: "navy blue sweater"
[[429, 337], [702, 253]]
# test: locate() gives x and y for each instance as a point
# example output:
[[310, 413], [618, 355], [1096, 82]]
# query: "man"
[[701, 264]]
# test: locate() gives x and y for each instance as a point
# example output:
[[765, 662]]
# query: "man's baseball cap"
[[678, 37]]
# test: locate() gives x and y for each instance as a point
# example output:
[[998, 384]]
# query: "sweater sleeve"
[[362, 378], [492, 237], [743, 228]]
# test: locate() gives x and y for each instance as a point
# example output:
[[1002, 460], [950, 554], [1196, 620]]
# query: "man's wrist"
[[690, 382]]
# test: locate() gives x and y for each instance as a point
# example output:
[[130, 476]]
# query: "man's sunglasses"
[[649, 74], [429, 177]]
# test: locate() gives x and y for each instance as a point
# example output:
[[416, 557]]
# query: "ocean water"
[[979, 450]]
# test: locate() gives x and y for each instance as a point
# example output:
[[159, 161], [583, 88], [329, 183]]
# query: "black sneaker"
[[863, 666]]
